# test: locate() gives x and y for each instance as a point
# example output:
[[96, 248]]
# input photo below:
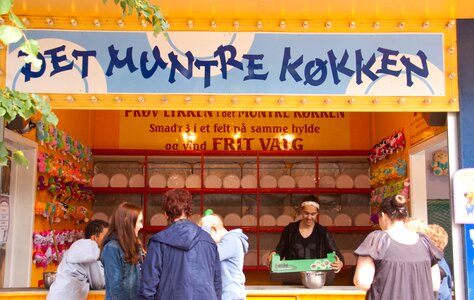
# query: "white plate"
[[100, 180], [362, 181], [342, 220], [362, 219], [100, 216], [249, 220], [137, 180], [213, 182], [350, 259], [325, 220], [286, 182], [158, 220], [232, 219], [283, 220], [193, 181], [306, 181], [250, 258], [175, 181], [267, 220], [344, 181], [268, 182], [231, 181], [327, 182], [157, 181], [119, 180], [249, 181]]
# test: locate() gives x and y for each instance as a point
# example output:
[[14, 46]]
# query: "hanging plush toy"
[[440, 163]]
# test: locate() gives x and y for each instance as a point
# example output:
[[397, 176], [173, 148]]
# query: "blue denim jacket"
[[121, 278]]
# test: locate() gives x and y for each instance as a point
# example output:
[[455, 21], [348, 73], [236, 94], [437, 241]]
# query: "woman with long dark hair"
[[122, 253]]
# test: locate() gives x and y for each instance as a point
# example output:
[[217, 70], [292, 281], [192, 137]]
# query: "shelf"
[[333, 229], [235, 191]]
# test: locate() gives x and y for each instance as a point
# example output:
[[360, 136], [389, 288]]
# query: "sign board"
[[238, 63], [463, 192]]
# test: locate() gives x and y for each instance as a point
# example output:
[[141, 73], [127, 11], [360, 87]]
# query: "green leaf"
[[16, 20], [2, 111], [9, 34], [5, 6], [3, 149], [19, 158]]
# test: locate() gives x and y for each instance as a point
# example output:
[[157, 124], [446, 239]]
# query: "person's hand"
[[337, 265], [269, 259]]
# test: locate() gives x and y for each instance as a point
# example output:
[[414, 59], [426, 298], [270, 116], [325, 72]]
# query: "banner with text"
[[232, 130], [373, 64]]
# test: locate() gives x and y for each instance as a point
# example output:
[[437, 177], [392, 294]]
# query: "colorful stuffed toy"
[[440, 163]]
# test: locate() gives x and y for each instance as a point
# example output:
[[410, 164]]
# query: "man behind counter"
[[306, 239]]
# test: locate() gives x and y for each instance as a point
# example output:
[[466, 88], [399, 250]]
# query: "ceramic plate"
[[362, 219], [325, 220], [137, 181], [193, 181], [213, 182], [327, 182], [119, 180], [249, 220], [362, 181], [158, 220], [286, 182], [157, 181], [175, 181], [306, 181], [232, 219], [100, 180], [268, 182], [267, 220], [231, 182], [342, 220], [100, 216], [250, 258], [344, 181], [249, 181], [284, 220]]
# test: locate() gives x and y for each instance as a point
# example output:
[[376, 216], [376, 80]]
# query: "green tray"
[[302, 265]]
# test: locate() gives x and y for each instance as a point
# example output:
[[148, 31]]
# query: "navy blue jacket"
[[182, 263]]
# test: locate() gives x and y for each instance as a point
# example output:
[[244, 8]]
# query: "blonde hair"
[[211, 220], [416, 224], [437, 235]]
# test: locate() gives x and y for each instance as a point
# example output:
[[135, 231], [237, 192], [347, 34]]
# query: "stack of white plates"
[[284, 220], [100, 216], [137, 181], [232, 219], [157, 181], [268, 182], [119, 180], [249, 181], [175, 181], [327, 182], [306, 181], [158, 220], [249, 221], [362, 219], [213, 182], [286, 182], [250, 258], [193, 181], [100, 180], [344, 181], [342, 220], [362, 181], [231, 181], [325, 220], [267, 220]]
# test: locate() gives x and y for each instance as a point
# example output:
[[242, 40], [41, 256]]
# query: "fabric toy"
[[41, 133], [440, 163]]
